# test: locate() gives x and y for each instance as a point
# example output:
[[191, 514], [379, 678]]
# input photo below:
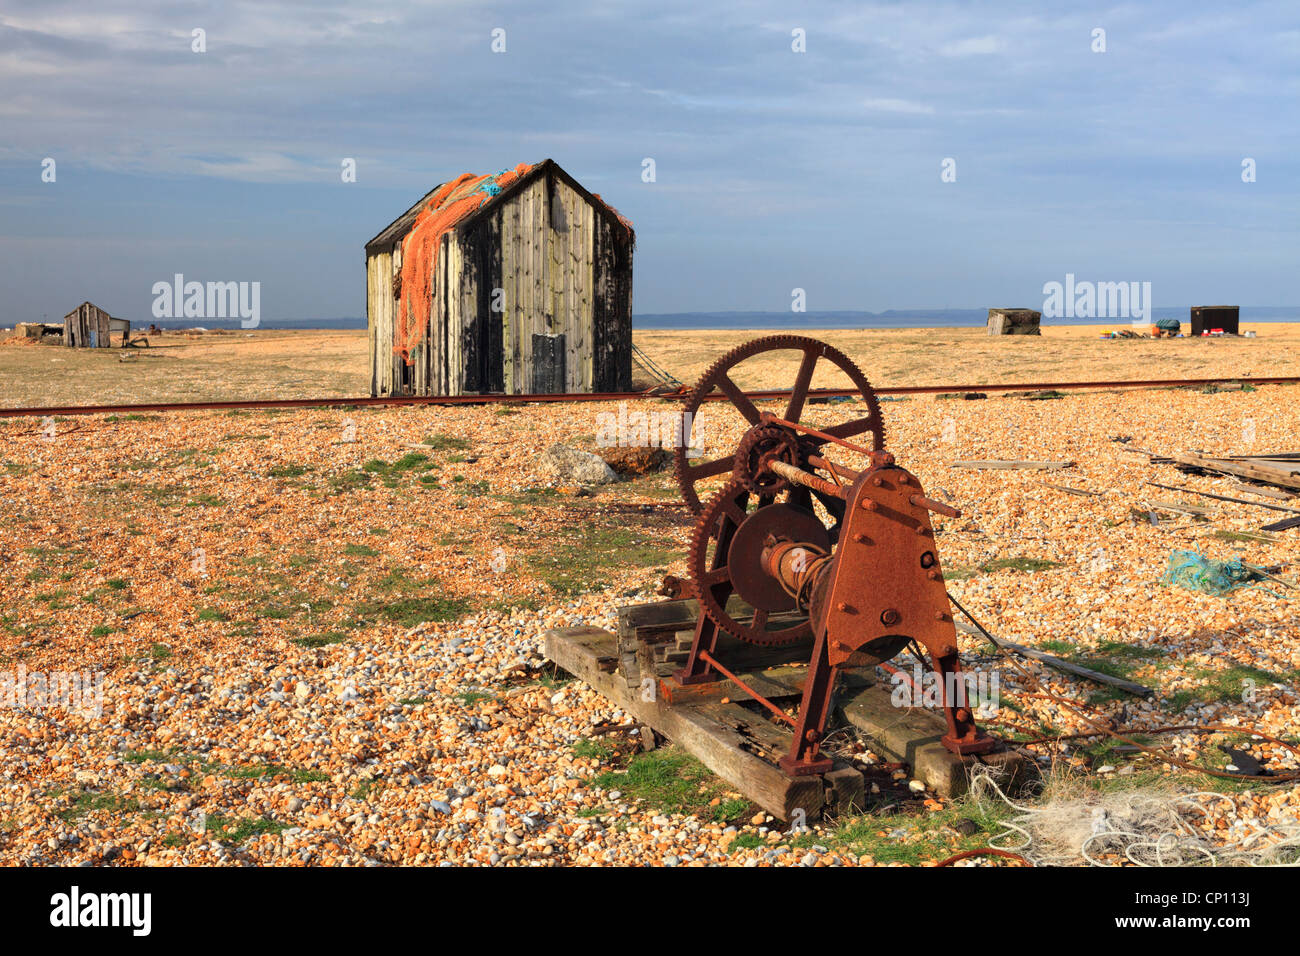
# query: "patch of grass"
[[600, 750], [118, 584], [1242, 536], [922, 839], [275, 612], [102, 630], [531, 496], [667, 779], [1058, 647], [1115, 657], [360, 551], [411, 461], [409, 612], [87, 802], [321, 640], [747, 841], [351, 480], [471, 697], [237, 831], [574, 564], [212, 614], [205, 501], [367, 788], [463, 487], [288, 471], [160, 652], [514, 604], [54, 599], [445, 443], [257, 771], [959, 573], [1018, 564], [1229, 684]]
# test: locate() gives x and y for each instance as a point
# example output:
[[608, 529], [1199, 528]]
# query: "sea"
[[786, 321]]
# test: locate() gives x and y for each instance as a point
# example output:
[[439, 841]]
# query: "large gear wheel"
[[711, 566], [718, 377]]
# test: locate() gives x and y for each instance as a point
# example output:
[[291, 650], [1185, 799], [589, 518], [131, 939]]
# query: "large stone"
[[578, 467], [634, 461]]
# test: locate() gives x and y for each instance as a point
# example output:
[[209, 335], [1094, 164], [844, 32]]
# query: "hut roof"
[[398, 229], [82, 306]]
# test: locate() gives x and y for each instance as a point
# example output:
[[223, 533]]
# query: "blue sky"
[[774, 169]]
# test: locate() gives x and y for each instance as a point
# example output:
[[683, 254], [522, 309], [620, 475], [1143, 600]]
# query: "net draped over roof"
[[451, 204]]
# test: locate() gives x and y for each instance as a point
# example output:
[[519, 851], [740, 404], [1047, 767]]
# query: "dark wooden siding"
[[612, 312]]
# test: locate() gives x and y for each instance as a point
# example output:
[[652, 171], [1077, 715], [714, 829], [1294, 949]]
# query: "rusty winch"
[[816, 550]]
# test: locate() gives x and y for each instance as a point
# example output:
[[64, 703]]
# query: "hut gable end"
[[513, 283]]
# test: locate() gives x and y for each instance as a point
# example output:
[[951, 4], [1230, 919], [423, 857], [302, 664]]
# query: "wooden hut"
[[518, 282], [87, 327]]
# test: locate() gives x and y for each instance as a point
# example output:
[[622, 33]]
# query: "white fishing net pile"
[[1072, 824]]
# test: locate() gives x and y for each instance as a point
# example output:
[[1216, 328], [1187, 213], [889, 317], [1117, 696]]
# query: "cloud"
[[891, 105], [974, 46]]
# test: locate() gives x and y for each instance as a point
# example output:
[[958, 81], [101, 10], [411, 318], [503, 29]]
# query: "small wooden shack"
[[519, 282], [1207, 319], [90, 327]]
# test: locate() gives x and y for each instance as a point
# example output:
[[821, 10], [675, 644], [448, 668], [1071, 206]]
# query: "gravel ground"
[[319, 632]]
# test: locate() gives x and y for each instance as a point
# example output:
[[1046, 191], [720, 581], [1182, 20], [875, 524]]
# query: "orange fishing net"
[[450, 204]]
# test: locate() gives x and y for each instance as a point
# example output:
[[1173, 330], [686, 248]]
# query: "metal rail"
[[762, 394]]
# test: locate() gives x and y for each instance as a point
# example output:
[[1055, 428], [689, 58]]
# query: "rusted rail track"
[[762, 394]]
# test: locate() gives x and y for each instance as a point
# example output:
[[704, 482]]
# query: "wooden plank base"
[[732, 742], [913, 735], [743, 747]]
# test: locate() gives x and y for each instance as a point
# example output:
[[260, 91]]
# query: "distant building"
[[90, 327], [518, 283]]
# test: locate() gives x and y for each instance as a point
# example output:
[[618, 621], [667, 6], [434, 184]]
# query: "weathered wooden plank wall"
[[87, 326], [612, 320]]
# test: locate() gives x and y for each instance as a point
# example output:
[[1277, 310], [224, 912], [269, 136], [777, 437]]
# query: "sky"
[[774, 169]]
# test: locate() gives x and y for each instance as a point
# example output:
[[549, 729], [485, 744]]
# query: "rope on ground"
[[652, 368]]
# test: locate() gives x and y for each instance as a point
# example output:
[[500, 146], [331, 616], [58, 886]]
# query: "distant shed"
[[518, 282], [90, 327], [1216, 318]]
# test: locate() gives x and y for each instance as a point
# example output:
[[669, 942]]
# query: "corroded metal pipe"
[[801, 477], [938, 507]]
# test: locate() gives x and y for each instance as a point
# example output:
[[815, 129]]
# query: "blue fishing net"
[[1196, 572]]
